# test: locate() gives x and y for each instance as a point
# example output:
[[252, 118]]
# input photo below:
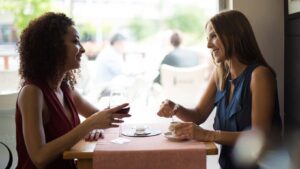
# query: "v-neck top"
[[57, 126], [235, 115]]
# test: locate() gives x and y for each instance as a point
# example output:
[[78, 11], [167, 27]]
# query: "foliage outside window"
[[141, 28], [87, 32], [190, 20], [25, 10]]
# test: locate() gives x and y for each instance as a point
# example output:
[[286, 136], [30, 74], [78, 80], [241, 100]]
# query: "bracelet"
[[217, 135], [175, 108]]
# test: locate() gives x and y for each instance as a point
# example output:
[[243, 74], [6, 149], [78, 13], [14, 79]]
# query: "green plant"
[[87, 32], [190, 20], [25, 10], [141, 28]]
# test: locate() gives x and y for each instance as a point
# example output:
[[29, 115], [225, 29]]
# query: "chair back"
[[9, 81], [8, 129], [183, 85], [8, 101], [9, 156]]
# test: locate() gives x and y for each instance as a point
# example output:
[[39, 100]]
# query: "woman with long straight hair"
[[242, 87]]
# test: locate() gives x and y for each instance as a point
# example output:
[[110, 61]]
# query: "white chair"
[[10, 81], [183, 85], [7, 127]]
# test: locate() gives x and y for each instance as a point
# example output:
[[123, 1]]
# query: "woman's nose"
[[82, 50], [209, 44]]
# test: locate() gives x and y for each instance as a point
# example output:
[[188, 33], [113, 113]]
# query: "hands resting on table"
[[107, 118], [184, 130]]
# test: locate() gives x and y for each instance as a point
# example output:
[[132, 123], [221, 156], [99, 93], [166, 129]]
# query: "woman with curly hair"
[[47, 121]]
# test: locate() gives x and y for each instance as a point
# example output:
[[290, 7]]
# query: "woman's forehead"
[[210, 28], [72, 31]]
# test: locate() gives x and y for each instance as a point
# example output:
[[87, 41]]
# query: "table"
[[83, 152]]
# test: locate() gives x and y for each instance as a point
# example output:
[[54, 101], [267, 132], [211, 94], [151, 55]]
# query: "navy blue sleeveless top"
[[236, 114]]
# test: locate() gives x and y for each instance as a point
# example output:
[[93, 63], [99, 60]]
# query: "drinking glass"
[[117, 97]]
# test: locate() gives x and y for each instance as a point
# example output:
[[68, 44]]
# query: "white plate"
[[148, 132], [171, 137]]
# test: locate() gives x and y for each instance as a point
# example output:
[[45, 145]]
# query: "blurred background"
[[145, 25]]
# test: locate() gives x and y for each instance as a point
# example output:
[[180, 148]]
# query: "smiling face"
[[74, 49], [214, 44]]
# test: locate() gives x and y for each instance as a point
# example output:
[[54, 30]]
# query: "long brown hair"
[[236, 34]]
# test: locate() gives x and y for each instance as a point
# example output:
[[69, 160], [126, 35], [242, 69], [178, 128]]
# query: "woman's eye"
[[213, 36], [76, 41]]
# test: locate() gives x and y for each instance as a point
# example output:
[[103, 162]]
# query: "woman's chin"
[[218, 61]]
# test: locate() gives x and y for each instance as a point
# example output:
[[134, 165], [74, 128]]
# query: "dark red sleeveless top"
[[57, 126]]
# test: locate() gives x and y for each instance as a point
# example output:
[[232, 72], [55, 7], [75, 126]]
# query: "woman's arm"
[[196, 115], [31, 103], [263, 90], [192, 131], [85, 108]]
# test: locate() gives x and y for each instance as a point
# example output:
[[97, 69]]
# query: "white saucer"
[[131, 132], [146, 132], [171, 137]]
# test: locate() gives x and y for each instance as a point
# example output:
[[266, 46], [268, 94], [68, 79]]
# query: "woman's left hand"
[[189, 130], [94, 135], [185, 130]]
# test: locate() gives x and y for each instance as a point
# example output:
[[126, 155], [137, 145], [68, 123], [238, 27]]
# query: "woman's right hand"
[[108, 117], [166, 109]]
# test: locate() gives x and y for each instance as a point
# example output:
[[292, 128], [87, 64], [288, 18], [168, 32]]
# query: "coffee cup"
[[140, 130], [172, 127]]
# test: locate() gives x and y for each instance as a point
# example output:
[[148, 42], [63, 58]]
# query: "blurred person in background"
[[179, 57], [110, 62], [243, 89], [48, 106]]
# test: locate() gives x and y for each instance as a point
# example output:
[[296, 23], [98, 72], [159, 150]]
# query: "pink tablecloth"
[[148, 153]]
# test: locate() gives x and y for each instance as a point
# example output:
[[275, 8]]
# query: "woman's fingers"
[[165, 109], [109, 118], [120, 116], [119, 107], [117, 121], [184, 130], [94, 135]]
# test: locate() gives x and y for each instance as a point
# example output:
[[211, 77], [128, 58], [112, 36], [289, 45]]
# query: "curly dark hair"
[[42, 49]]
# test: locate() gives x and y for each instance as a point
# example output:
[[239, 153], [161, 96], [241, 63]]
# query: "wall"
[[267, 19], [292, 80]]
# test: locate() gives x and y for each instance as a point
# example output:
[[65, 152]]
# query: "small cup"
[[140, 130], [172, 127]]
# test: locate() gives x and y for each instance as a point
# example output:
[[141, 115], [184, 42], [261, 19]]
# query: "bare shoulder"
[[30, 89], [30, 93], [262, 73], [263, 76]]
